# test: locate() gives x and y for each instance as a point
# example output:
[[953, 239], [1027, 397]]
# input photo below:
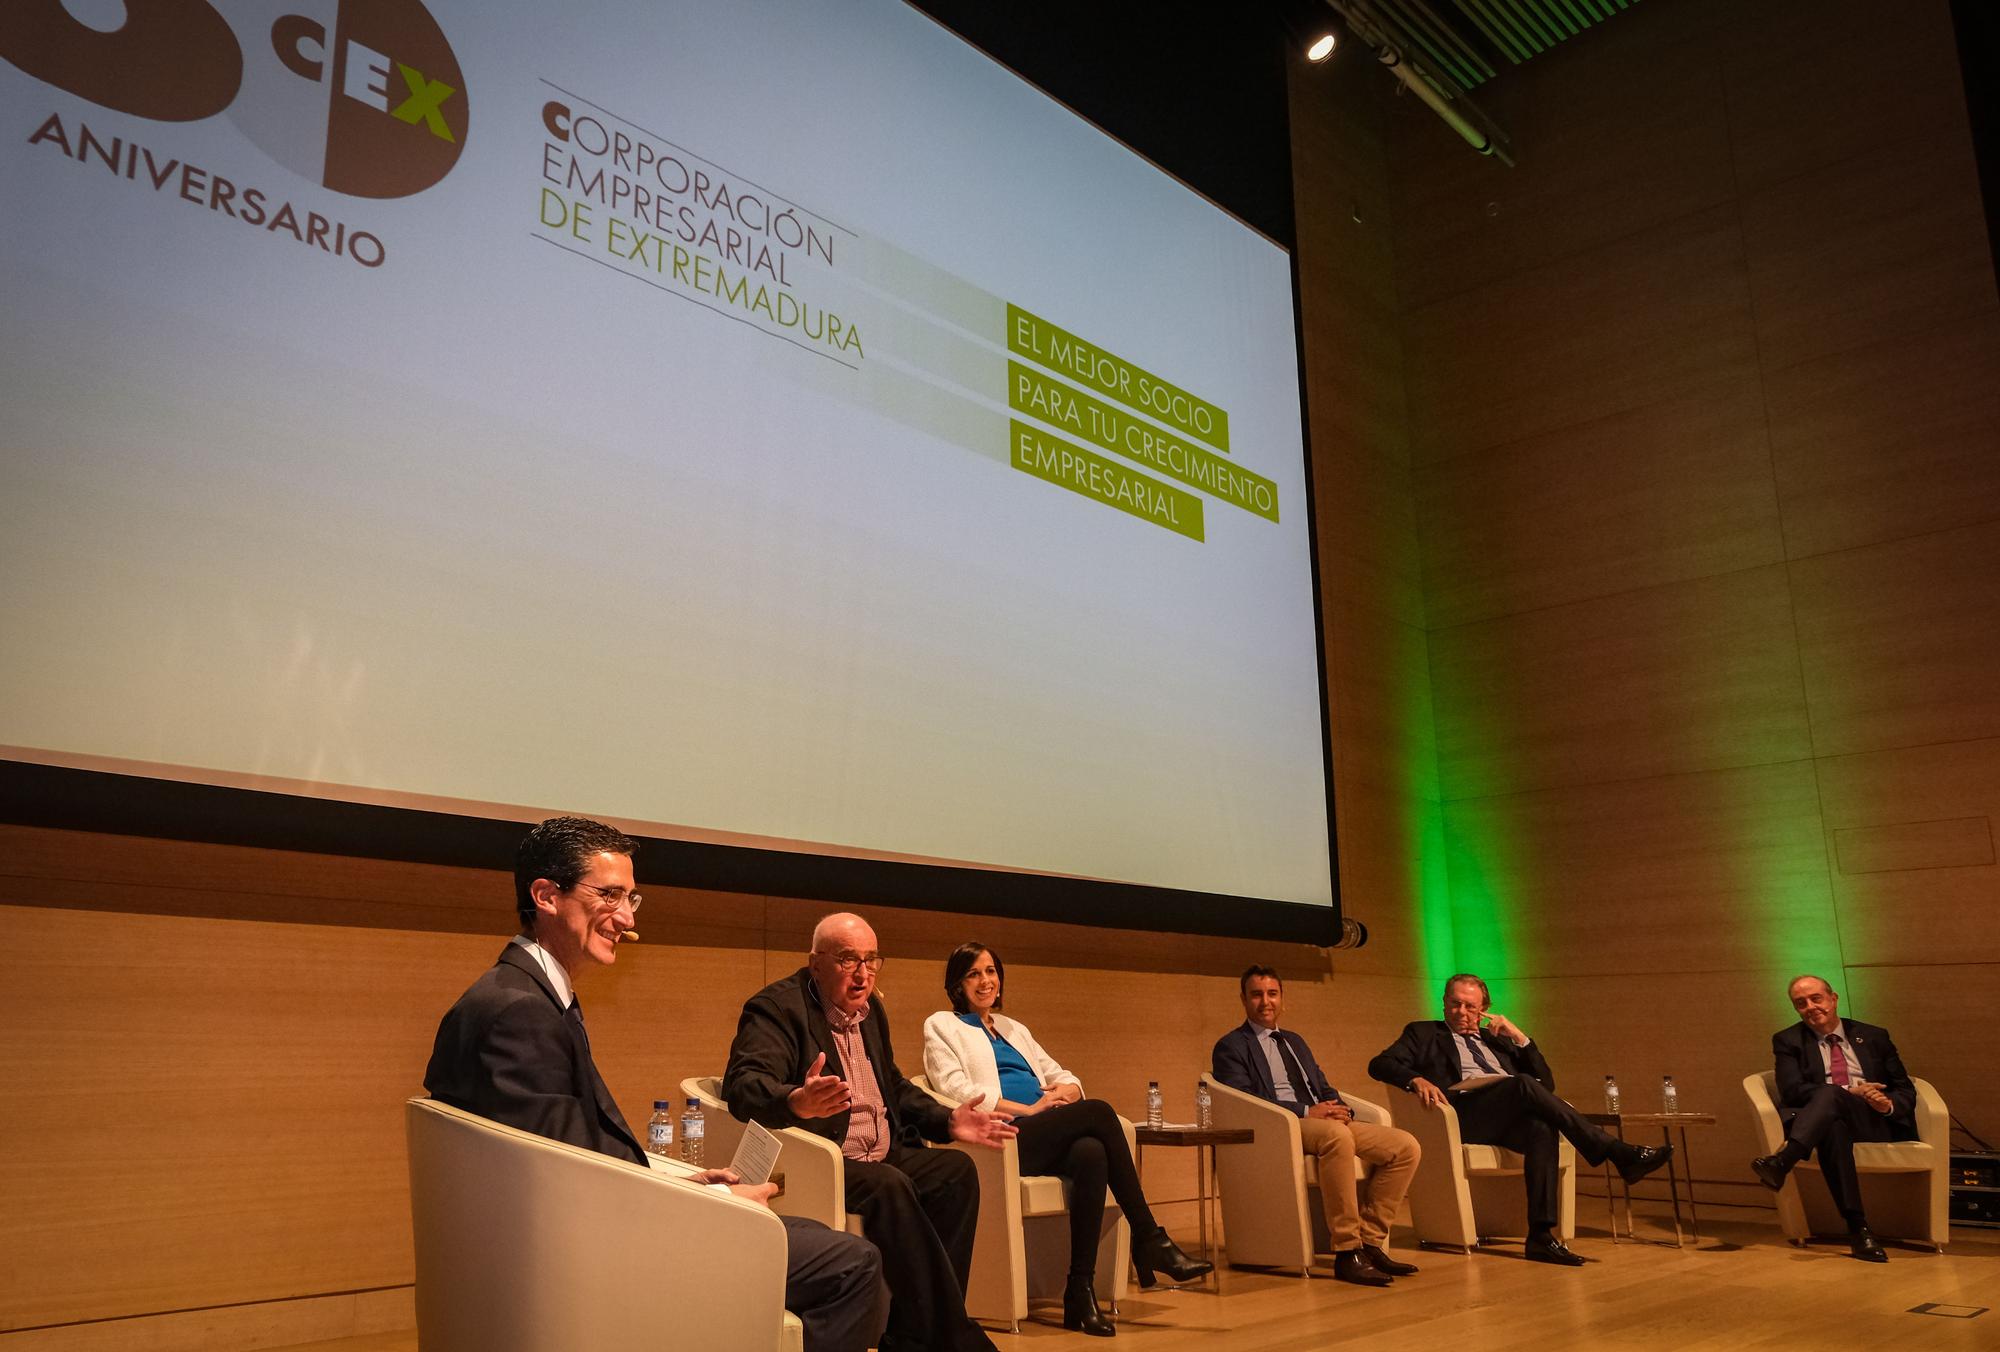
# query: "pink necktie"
[[1836, 1061]]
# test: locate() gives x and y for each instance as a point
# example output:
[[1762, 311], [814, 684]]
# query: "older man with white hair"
[[812, 1051]]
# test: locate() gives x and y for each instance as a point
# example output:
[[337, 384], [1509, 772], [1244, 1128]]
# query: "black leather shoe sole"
[[1770, 1171]]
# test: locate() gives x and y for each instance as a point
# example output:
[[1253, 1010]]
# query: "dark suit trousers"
[[1831, 1121], [1083, 1143], [833, 1283], [1522, 1115], [919, 1208]]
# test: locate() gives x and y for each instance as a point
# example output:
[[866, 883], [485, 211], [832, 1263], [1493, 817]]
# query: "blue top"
[[1017, 1078]]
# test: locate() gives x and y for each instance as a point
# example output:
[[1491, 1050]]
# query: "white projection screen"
[[769, 424]]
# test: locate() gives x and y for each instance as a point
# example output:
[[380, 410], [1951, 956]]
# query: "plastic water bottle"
[[1670, 1097], [1204, 1108], [1155, 1109], [693, 1126], [1610, 1095], [660, 1131]]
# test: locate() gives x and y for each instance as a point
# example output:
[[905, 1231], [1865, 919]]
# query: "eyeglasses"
[[849, 962], [611, 898]]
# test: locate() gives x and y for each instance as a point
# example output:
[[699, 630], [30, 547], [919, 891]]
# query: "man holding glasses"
[[812, 1051], [513, 1049]]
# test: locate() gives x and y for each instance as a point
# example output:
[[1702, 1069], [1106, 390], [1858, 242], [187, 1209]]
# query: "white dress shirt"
[[565, 993]]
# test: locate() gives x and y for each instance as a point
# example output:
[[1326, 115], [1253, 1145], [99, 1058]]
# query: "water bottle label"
[[661, 1133], [693, 1131]]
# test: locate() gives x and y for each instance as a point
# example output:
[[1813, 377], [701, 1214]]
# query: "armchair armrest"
[[815, 1172]]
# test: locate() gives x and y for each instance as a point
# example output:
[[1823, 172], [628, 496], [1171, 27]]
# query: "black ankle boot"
[[1080, 1310], [1157, 1253]]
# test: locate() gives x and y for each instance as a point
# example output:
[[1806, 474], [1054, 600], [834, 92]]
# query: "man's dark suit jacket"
[[506, 1051], [782, 1029], [1800, 1071], [1241, 1064], [1427, 1049]]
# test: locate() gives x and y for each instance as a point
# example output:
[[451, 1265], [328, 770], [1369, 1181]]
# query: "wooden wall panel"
[[1693, 676], [1654, 732], [203, 1112], [1662, 874], [1613, 107], [1892, 439], [1366, 520], [1899, 643], [1904, 917], [1658, 316], [1887, 244], [1806, 90], [1656, 495]]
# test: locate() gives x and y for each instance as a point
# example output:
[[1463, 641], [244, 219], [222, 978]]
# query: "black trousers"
[[1831, 1121], [1083, 1143], [1523, 1116], [833, 1283], [919, 1208]]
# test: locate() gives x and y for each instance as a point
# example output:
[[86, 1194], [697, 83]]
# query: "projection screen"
[[765, 423]]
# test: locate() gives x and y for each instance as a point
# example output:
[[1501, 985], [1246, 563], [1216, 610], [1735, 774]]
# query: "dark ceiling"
[[1196, 86]]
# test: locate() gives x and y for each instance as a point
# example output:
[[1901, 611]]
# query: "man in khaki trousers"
[[1276, 1065]]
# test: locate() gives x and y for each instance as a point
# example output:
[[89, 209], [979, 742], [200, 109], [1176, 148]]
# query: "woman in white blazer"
[[972, 1048]]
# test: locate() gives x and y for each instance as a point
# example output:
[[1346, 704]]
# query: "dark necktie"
[[574, 1017], [1294, 1072], [1479, 1054], [1836, 1061]]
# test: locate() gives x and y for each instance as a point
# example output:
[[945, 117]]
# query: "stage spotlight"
[[1321, 47]]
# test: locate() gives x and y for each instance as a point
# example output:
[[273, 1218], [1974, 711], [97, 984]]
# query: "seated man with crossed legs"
[[1839, 1081], [1504, 1093]]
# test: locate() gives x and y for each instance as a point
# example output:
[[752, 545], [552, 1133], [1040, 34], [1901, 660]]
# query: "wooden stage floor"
[[1744, 1289]]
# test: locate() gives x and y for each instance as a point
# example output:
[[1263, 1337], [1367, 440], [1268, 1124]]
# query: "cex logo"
[[361, 96]]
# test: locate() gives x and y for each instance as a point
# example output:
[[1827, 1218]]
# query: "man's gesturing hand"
[[971, 1125], [821, 1095]]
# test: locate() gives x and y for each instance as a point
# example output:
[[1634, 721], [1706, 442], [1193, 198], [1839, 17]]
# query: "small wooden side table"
[[1668, 1123], [1204, 1140]]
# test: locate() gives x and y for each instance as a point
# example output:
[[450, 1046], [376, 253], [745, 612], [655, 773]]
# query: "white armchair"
[[1020, 1251], [1463, 1194], [524, 1244], [815, 1173], [1903, 1183], [1271, 1213]]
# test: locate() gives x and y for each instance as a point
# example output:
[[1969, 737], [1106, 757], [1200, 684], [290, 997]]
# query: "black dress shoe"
[[1549, 1249], [1080, 1310], [1350, 1266], [1157, 1253], [1642, 1160], [1770, 1170], [1863, 1246], [1382, 1262]]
